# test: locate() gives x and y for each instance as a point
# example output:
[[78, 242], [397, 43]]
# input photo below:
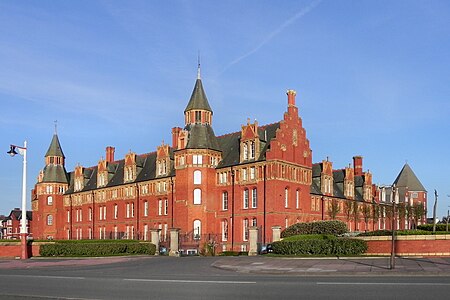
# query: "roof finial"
[[56, 126], [198, 66]]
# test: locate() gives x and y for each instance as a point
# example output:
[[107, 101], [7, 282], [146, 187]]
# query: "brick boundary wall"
[[409, 245], [14, 250]]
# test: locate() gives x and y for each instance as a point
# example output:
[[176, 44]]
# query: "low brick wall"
[[10, 249], [409, 245], [14, 250]]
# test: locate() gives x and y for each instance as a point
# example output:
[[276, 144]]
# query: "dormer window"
[[78, 184], [128, 174], [161, 167], [102, 179]]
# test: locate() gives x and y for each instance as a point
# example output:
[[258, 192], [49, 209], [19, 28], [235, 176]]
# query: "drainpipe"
[[264, 206], [137, 211], [232, 209]]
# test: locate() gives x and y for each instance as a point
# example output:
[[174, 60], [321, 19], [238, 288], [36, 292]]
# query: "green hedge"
[[429, 227], [397, 232], [334, 227], [310, 237], [334, 247], [99, 248]]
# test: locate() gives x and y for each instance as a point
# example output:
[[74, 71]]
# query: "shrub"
[[310, 237], [397, 232], [429, 227], [334, 227], [101, 248], [335, 247]]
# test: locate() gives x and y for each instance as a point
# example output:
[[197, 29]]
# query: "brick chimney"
[[291, 97], [358, 165], [175, 135], [110, 153]]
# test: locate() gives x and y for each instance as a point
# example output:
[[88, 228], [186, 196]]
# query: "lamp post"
[[23, 228]]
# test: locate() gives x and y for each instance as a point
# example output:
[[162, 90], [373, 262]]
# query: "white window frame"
[[197, 196], [245, 199], [197, 177]]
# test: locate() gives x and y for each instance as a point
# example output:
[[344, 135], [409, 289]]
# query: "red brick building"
[[260, 175], [11, 224]]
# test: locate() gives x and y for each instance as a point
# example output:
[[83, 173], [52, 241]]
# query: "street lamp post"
[[23, 223]]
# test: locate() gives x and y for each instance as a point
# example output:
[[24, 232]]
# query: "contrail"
[[274, 33]]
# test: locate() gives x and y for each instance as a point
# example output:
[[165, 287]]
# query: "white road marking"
[[191, 281], [385, 283]]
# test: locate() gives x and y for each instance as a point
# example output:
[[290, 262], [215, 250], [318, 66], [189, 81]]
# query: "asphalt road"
[[194, 278]]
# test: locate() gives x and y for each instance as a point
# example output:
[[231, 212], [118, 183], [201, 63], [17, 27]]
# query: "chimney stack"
[[358, 165], [110, 153], [291, 97], [175, 136]]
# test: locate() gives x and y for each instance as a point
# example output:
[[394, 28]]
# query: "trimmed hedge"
[[397, 232], [99, 248], [333, 227], [429, 227], [334, 247], [310, 237]]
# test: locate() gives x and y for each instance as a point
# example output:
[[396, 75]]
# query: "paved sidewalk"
[[335, 266], [51, 262]]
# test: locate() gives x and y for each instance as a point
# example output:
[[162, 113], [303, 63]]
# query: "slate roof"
[[201, 136], [55, 148], [407, 178], [230, 145], [338, 183], [198, 98], [55, 173]]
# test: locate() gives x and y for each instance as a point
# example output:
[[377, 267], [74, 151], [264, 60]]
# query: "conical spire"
[[54, 170], [407, 179], [55, 148], [198, 98]]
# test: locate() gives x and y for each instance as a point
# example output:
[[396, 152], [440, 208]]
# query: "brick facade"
[[259, 176]]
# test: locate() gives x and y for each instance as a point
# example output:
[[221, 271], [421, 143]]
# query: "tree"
[[418, 213], [366, 214], [375, 214], [401, 213], [333, 209], [348, 211], [355, 213]]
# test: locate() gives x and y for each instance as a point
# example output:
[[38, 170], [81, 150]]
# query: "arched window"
[[49, 200], [197, 177], [49, 220], [197, 229], [297, 199], [245, 229], [224, 230], [225, 201], [245, 200], [254, 198], [245, 150], [197, 196]]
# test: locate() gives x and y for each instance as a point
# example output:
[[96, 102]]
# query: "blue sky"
[[372, 79]]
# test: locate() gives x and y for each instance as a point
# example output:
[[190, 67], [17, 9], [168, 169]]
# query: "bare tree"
[[375, 214], [366, 214], [333, 209]]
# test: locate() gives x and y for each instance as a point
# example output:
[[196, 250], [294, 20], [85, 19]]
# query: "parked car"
[[266, 249]]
